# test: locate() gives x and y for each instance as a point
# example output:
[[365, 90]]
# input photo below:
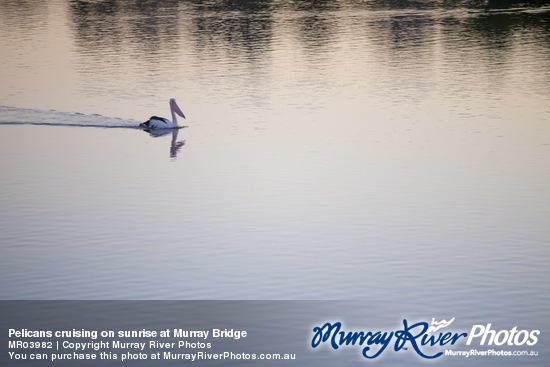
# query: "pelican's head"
[[174, 107]]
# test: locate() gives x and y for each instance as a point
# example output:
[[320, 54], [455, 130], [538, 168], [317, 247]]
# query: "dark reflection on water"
[[449, 4], [140, 38], [245, 27], [152, 29], [26, 14], [148, 25], [404, 33]]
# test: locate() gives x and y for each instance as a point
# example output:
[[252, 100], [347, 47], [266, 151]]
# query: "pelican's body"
[[156, 122]]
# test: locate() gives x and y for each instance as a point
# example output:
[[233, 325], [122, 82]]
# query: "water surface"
[[385, 150]]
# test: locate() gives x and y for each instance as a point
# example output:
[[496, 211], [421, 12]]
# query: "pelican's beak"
[[177, 109]]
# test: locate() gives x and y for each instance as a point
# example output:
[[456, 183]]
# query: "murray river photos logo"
[[428, 340]]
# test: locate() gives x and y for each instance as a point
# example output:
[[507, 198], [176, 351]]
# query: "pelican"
[[156, 122]]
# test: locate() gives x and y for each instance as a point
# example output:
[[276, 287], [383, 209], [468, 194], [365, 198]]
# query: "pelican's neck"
[[174, 117]]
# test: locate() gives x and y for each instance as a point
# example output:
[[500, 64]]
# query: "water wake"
[[26, 116]]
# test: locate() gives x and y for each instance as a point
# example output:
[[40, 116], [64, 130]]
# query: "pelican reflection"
[[175, 145]]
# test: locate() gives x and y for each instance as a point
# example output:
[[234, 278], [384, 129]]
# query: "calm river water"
[[379, 150]]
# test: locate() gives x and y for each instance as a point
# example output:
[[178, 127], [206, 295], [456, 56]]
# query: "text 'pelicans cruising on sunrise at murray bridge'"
[[156, 122]]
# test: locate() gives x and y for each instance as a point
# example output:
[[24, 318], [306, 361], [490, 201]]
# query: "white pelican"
[[156, 122]]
